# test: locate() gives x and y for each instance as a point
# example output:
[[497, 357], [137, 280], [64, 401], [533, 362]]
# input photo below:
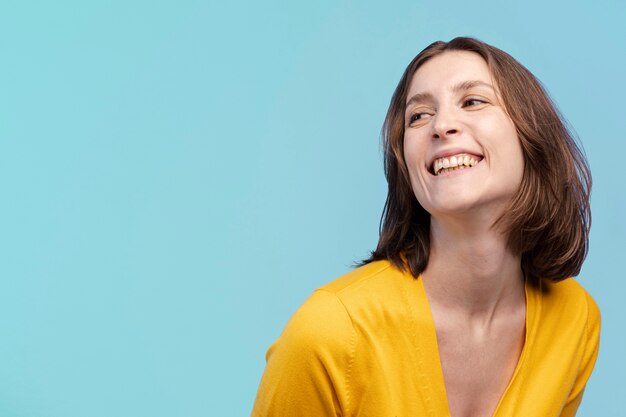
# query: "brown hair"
[[547, 223]]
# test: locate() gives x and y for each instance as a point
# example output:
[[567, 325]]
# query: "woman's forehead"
[[448, 70]]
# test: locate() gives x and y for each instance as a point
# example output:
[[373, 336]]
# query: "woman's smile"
[[444, 165]]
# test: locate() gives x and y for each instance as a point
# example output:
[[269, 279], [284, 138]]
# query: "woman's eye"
[[417, 116], [472, 102]]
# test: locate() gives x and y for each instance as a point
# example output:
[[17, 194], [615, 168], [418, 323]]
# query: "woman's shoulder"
[[567, 293], [378, 277], [321, 318], [332, 310], [569, 300]]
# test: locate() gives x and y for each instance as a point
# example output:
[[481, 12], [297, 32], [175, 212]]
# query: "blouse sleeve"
[[588, 361], [308, 366]]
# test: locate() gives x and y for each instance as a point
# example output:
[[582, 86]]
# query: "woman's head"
[[547, 220], [461, 148]]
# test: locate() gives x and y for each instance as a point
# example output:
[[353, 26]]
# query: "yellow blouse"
[[365, 345]]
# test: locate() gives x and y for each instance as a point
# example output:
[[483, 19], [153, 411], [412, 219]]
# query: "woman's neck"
[[471, 273]]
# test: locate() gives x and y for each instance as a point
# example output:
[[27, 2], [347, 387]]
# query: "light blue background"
[[177, 177]]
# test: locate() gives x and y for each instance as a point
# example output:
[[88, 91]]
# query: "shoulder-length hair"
[[547, 223]]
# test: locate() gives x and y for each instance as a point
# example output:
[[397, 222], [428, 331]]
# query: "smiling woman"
[[467, 306]]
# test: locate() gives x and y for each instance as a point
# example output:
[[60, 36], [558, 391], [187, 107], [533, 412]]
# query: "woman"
[[466, 307]]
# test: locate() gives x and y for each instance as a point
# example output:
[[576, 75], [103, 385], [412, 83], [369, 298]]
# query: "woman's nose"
[[445, 125]]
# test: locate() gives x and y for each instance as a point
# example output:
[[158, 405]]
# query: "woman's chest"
[[478, 368], [409, 372]]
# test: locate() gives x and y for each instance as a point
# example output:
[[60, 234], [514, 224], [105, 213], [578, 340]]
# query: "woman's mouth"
[[454, 163]]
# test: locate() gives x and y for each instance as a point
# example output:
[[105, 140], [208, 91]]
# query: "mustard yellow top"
[[365, 345]]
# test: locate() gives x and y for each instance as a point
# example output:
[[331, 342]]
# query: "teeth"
[[443, 165]]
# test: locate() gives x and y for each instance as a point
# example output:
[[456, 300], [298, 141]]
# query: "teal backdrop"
[[178, 176]]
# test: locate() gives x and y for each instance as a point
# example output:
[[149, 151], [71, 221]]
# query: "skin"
[[473, 282]]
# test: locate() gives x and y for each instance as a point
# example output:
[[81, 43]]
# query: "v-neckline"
[[434, 389]]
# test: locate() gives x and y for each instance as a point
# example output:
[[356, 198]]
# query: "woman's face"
[[460, 146]]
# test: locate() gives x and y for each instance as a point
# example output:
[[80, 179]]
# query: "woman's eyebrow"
[[466, 85], [462, 86], [418, 98]]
